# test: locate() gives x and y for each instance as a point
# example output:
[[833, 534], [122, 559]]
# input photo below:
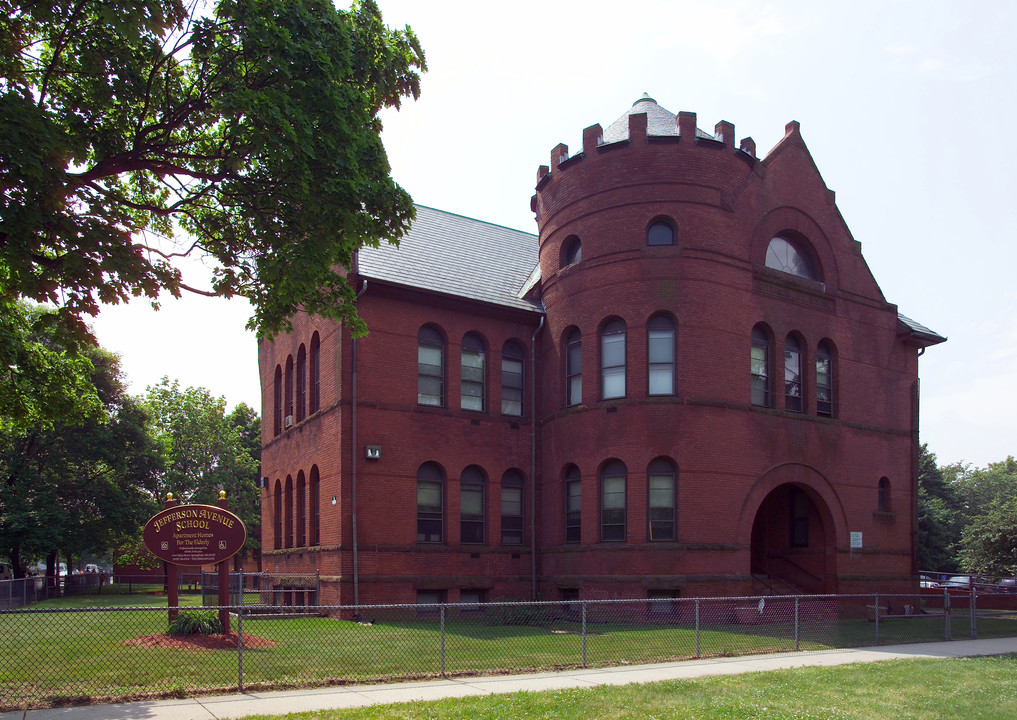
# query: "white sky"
[[907, 107]]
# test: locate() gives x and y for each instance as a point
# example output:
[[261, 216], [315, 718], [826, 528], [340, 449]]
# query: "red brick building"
[[687, 383]]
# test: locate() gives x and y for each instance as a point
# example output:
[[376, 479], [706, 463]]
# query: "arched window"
[[660, 232], [824, 380], [612, 360], [790, 257], [660, 355], [430, 367], [612, 501], [315, 502], [792, 374], [277, 520], [512, 363], [301, 383], [473, 367], [573, 505], [288, 513], [661, 480], [430, 503], [760, 366], [277, 400], [512, 508], [315, 382], [574, 368], [471, 506], [301, 527], [288, 388], [883, 495], [571, 251]]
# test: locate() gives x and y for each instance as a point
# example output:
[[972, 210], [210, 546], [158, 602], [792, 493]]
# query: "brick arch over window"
[[799, 227], [571, 252]]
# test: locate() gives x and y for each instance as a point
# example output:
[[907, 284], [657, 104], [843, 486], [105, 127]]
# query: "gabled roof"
[[918, 332], [460, 257]]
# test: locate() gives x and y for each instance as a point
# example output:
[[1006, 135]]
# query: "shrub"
[[196, 622]]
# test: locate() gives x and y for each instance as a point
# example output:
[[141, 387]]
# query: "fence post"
[[697, 628], [441, 609], [877, 618], [797, 629], [974, 615], [240, 649], [584, 633], [946, 613]]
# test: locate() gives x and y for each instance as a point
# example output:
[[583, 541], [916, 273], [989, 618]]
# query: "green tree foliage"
[[989, 539], [206, 450], [81, 483], [249, 124], [938, 520]]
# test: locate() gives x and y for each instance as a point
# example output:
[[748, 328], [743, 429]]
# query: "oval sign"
[[194, 534]]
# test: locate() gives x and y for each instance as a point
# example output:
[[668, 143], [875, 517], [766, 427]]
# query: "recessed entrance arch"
[[794, 530]]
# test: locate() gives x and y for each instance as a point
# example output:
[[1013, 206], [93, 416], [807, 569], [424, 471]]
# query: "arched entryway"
[[793, 536]]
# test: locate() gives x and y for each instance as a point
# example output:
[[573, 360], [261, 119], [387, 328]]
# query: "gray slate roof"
[[466, 258], [458, 256], [660, 122]]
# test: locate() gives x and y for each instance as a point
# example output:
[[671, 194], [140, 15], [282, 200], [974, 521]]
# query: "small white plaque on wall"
[[856, 540]]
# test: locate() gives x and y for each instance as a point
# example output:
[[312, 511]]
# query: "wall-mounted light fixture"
[[373, 452], [333, 500]]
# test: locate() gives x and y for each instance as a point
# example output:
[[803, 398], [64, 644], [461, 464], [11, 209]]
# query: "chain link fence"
[[60, 657]]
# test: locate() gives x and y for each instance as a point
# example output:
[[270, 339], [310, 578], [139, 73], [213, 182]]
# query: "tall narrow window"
[[430, 367], [799, 518], [301, 527], [315, 502], [824, 380], [792, 374], [473, 388], [277, 521], [288, 513], [512, 358], [573, 506], [612, 360], [277, 399], [512, 508], [430, 503], [301, 383], [883, 496], [288, 389], [471, 506], [315, 382], [660, 355], [612, 501], [760, 367], [661, 477], [574, 368]]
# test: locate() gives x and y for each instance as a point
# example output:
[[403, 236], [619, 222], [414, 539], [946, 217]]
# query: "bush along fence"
[[80, 656]]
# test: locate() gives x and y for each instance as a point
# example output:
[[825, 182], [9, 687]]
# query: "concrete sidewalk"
[[290, 701]]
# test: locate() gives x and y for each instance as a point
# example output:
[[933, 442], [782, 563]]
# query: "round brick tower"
[[666, 469]]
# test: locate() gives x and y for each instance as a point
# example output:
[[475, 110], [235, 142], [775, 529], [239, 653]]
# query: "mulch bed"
[[198, 642]]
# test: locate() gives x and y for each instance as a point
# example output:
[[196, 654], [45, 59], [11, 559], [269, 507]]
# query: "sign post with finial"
[[195, 535]]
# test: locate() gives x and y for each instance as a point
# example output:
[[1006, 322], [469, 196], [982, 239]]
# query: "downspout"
[[533, 460], [353, 461]]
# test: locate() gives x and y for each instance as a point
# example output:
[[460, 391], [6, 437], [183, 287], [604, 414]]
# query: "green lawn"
[[965, 689], [65, 657]]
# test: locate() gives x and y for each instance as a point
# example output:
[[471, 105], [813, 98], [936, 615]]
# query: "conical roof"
[[660, 122]]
